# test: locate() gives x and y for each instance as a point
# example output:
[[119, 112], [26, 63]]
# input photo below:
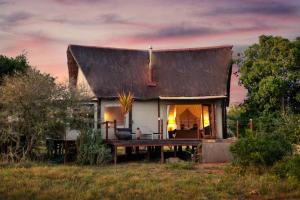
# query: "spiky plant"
[[125, 100]]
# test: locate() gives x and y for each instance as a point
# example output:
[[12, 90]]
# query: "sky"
[[44, 28]]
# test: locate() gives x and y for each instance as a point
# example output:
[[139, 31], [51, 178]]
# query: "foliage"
[[32, 107], [288, 167], [234, 114], [9, 66], [126, 101], [287, 125], [260, 151], [270, 71], [91, 149]]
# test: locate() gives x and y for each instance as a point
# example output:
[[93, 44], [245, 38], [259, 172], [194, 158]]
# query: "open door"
[[208, 113]]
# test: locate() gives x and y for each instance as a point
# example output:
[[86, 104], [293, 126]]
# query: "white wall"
[[144, 116]]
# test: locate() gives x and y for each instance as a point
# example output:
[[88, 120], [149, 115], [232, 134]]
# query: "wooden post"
[[115, 154], [106, 130], [161, 129], [158, 122], [115, 128], [162, 154], [237, 128], [214, 131], [148, 152], [95, 116], [175, 151], [251, 124]]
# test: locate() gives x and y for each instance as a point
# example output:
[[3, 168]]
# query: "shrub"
[[287, 124], [260, 151], [91, 149], [288, 167], [32, 107]]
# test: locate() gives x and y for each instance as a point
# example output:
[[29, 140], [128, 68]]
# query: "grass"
[[139, 181]]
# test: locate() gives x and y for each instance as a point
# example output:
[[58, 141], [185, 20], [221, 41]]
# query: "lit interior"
[[205, 116], [112, 113], [172, 119], [188, 116]]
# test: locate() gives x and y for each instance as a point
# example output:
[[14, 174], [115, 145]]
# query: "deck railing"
[[107, 123], [113, 124]]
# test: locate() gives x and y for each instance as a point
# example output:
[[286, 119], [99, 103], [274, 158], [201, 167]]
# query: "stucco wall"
[[216, 151]]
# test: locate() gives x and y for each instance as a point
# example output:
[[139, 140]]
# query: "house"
[[186, 90]]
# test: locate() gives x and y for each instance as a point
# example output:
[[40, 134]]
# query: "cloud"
[[70, 2], [177, 31], [3, 2], [15, 18], [112, 18], [257, 8]]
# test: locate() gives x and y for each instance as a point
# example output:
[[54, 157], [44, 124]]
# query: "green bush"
[[287, 124], [91, 149], [288, 167], [261, 150]]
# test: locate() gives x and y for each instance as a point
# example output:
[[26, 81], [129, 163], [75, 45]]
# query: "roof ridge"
[[104, 47], [197, 48], [156, 50]]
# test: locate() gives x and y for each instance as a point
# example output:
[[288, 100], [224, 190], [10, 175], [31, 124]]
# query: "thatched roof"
[[177, 73]]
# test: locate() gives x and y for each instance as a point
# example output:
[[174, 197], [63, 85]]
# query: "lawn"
[[140, 180]]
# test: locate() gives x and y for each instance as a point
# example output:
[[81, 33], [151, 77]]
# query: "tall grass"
[[139, 181]]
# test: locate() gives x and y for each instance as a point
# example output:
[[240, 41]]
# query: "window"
[[112, 113]]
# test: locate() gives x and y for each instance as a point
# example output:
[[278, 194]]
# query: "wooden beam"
[[224, 119], [161, 129], [175, 151], [115, 128], [158, 115], [115, 154], [99, 114], [214, 120], [130, 118], [162, 159], [106, 130], [158, 122], [95, 115]]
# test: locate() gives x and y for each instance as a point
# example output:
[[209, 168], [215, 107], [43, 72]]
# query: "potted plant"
[[125, 101]]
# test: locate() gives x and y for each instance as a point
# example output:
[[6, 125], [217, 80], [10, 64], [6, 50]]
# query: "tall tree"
[[270, 71], [32, 107], [9, 66]]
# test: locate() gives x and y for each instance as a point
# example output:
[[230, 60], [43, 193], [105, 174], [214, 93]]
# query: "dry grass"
[[139, 181]]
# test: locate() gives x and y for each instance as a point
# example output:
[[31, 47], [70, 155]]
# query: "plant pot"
[[124, 134]]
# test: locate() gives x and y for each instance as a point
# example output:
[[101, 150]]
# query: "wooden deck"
[[150, 143], [155, 142]]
